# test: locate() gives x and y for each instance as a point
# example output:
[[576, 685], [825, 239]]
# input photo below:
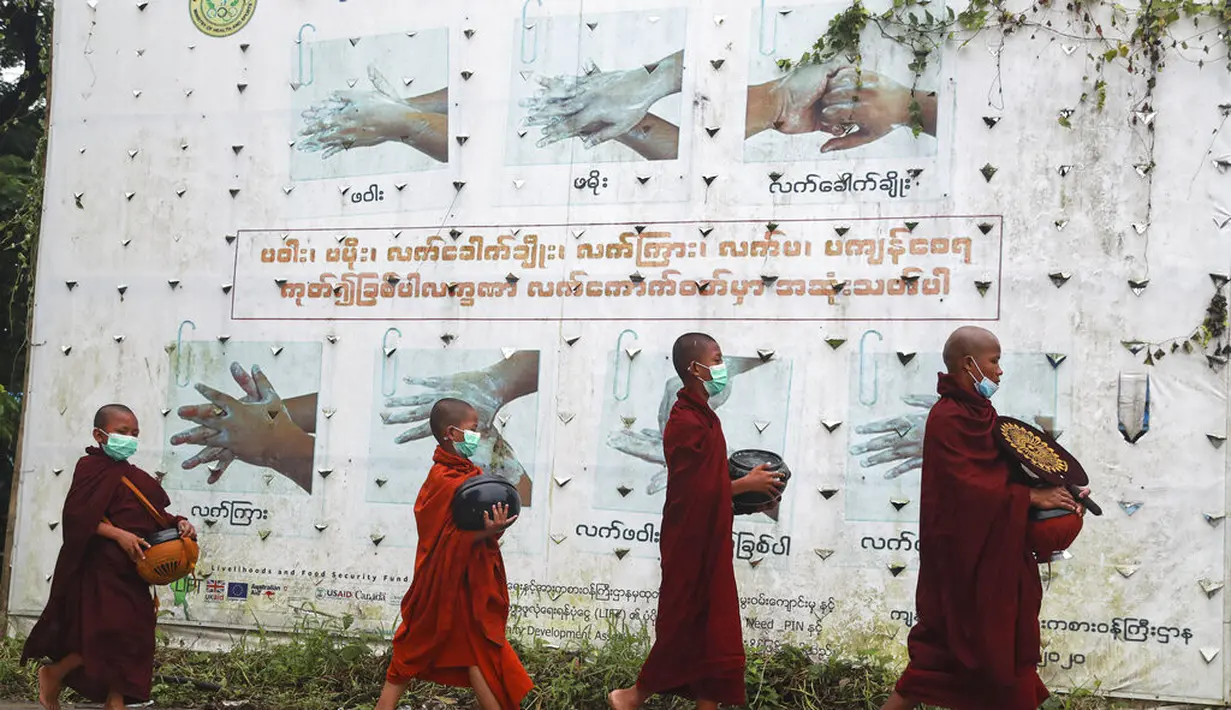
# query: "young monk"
[[976, 641], [454, 615], [699, 650], [98, 625]]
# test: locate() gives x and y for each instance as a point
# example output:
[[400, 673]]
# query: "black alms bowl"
[[741, 464], [163, 536], [477, 495]]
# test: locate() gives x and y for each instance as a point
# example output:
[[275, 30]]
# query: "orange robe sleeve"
[[455, 612], [976, 643], [698, 650]]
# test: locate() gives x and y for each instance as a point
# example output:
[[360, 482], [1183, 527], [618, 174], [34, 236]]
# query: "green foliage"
[[324, 665], [10, 419], [913, 25]]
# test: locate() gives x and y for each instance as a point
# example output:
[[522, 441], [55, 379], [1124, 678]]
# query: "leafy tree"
[[25, 36]]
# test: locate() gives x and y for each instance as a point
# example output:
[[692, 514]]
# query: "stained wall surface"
[[376, 204]]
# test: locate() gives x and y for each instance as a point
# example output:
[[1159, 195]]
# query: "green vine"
[[1147, 33], [1208, 338]]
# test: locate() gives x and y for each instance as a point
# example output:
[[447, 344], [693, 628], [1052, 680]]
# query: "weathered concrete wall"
[[197, 215]]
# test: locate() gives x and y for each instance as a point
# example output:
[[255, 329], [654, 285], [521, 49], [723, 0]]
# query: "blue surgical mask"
[[469, 443], [985, 387], [718, 379], [120, 446]]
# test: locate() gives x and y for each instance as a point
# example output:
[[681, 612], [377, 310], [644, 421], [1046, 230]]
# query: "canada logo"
[[221, 18]]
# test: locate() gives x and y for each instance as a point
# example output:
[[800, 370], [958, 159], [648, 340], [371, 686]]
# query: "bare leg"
[[897, 702], [627, 698], [707, 705], [115, 701], [50, 677], [390, 695], [487, 699]]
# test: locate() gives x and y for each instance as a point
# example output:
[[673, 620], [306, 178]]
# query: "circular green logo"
[[221, 18]]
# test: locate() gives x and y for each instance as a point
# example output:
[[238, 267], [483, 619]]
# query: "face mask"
[[120, 446], [469, 443], [718, 379], [985, 387]]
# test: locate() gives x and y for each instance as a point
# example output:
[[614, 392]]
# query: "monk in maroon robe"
[[976, 643], [698, 652], [98, 626], [454, 615]]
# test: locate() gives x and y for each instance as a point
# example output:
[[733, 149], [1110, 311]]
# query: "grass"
[[323, 666]]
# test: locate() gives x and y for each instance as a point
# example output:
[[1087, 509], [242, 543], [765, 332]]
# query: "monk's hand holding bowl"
[[132, 545], [497, 521], [1082, 493], [1053, 498], [761, 480], [187, 530]]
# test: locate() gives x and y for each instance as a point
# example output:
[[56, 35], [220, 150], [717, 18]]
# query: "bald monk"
[[454, 615], [98, 626], [698, 652], [976, 643]]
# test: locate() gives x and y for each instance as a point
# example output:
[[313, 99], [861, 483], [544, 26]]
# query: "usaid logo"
[[327, 594]]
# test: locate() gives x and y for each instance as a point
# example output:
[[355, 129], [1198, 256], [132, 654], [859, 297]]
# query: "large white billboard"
[[523, 204]]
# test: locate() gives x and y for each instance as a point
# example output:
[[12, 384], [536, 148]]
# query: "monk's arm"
[[108, 531]]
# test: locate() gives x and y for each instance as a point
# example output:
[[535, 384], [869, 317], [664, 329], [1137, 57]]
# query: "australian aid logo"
[[221, 18]]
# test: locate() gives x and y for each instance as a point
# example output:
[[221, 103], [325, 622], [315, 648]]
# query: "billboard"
[[342, 216]]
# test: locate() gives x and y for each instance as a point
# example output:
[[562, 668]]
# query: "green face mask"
[[718, 379], [120, 446], [469, 443]]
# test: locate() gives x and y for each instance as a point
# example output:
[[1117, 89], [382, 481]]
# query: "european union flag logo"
[[237, 590]]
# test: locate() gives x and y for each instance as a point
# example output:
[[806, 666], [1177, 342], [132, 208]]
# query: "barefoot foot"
[[624, 699], [48, 689]]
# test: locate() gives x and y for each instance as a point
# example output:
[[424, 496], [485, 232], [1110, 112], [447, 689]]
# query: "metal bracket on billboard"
[[179, 352], [534, 44], [761, 34], [311, 75], [628, 375], [387, 353], [875, 371]]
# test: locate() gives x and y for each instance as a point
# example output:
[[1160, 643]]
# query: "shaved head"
[[107, 412], [968, 341], [449, 413], [690, 348]]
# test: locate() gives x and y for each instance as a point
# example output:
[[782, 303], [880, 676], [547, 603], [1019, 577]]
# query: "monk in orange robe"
[[976, 643], [98, 626], [454, 615], [698, 652]]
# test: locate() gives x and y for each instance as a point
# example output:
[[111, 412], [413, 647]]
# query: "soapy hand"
[[222, 457], [861, 106], [257, 430], [647, 444], [798, 99], [600, 105], [481, 389], [901, 438], [362, 119]]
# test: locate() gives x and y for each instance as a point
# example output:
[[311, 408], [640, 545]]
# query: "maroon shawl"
[[99, 606], [976, 643], [699, 648]]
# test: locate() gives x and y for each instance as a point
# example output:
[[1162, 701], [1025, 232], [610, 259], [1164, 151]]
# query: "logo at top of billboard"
[[221, 18], [348, 595]]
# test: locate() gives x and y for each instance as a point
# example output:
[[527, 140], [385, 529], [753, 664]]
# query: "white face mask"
[[983, 385]]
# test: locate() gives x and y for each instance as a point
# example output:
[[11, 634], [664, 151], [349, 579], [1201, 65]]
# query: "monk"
[[454, 615], [698, 652], [98, 626], [976, 643]]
